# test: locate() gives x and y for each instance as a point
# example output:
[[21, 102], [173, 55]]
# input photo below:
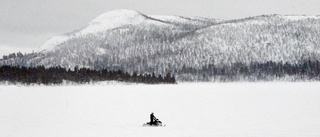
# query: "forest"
[[255, 71], [56, 75], [308, 70]]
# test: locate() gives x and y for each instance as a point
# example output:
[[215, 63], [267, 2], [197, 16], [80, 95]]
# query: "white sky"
[[26, 25]]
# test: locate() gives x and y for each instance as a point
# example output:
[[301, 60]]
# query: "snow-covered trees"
[[167, 44]]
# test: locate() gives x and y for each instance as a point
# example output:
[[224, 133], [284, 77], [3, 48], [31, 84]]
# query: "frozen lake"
[[188, 109]]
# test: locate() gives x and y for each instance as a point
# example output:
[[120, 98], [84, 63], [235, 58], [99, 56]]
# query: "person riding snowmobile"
[[152, 119]]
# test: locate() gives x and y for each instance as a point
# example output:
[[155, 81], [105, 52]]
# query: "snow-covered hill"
[[119, 19], [132, 41], [259, 39], [107, 21]]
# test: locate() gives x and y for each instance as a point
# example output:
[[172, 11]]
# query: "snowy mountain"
[[122, 20], [132, 41]]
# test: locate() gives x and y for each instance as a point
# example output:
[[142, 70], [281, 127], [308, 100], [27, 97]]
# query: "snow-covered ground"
[[188, 109]]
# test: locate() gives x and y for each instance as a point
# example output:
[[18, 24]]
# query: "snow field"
[[188, 109]]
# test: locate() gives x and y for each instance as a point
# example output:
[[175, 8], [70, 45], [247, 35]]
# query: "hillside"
[[131, 41]]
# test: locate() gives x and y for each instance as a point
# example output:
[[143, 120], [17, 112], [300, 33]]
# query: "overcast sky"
[[26, 24]]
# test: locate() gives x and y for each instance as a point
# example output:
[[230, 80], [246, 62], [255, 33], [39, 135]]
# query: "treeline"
[[13, 55], [255, 71], [56, 75]]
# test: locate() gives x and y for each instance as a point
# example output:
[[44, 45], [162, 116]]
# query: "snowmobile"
[[156, 123]]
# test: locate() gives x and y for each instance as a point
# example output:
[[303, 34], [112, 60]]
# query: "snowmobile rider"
[[152, 119]]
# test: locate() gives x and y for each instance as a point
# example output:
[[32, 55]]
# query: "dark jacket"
[[152, 118]]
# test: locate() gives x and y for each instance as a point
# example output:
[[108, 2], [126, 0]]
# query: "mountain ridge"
[[107, 21], [162, 44]]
